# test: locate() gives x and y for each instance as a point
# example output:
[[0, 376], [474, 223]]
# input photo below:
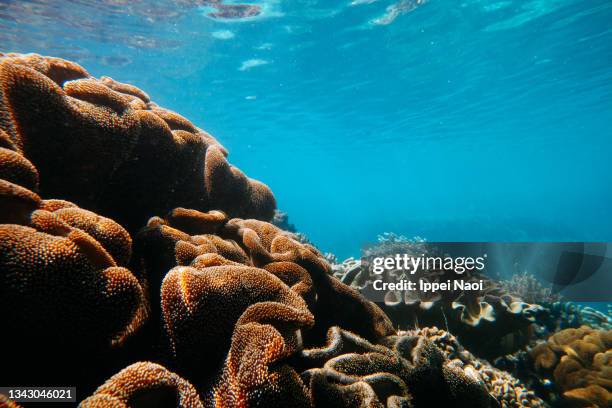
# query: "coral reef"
[[247, 307], [579, 362], [99, 151], [563, 315], [112, 150], [209, 305]]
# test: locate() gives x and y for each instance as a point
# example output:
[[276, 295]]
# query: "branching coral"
[[113, 150], [579, 361], [144, 384], [528, 288]]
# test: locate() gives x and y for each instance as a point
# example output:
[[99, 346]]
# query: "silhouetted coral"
[[144, 384], [113, 151], [579, 363]]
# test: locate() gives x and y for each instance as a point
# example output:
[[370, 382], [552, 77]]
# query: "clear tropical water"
[[451, 120]]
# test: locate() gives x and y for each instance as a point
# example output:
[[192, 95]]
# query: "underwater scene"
[[305, 203]]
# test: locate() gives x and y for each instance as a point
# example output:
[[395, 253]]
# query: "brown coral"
[[203, 307], [256, 371], [580, 362], [416, 368], [259, 244], [113, 151], [144, 384], [241, 303], [17, 169], [63, 285]]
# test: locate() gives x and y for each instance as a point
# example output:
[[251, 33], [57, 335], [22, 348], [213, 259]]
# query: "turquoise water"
[[473, 120]]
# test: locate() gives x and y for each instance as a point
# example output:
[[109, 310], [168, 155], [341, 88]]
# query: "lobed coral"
[[563, 315], [112, 150], [64, 285], [237, 242], [416, 368], [579, 362], [66, 281], [261, 295], [144, 384]]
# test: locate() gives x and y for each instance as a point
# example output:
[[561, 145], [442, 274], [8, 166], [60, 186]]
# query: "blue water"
[[473, 120]]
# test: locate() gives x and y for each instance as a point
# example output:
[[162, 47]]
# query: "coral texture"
[[62, 273], [579, 362], [237, 242], [64, 285], [417, 368], [144, 384], [239, 297], [106, 147], [528, 288]]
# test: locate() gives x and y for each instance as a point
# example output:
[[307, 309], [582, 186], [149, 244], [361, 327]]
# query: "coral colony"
[[139, 266]]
